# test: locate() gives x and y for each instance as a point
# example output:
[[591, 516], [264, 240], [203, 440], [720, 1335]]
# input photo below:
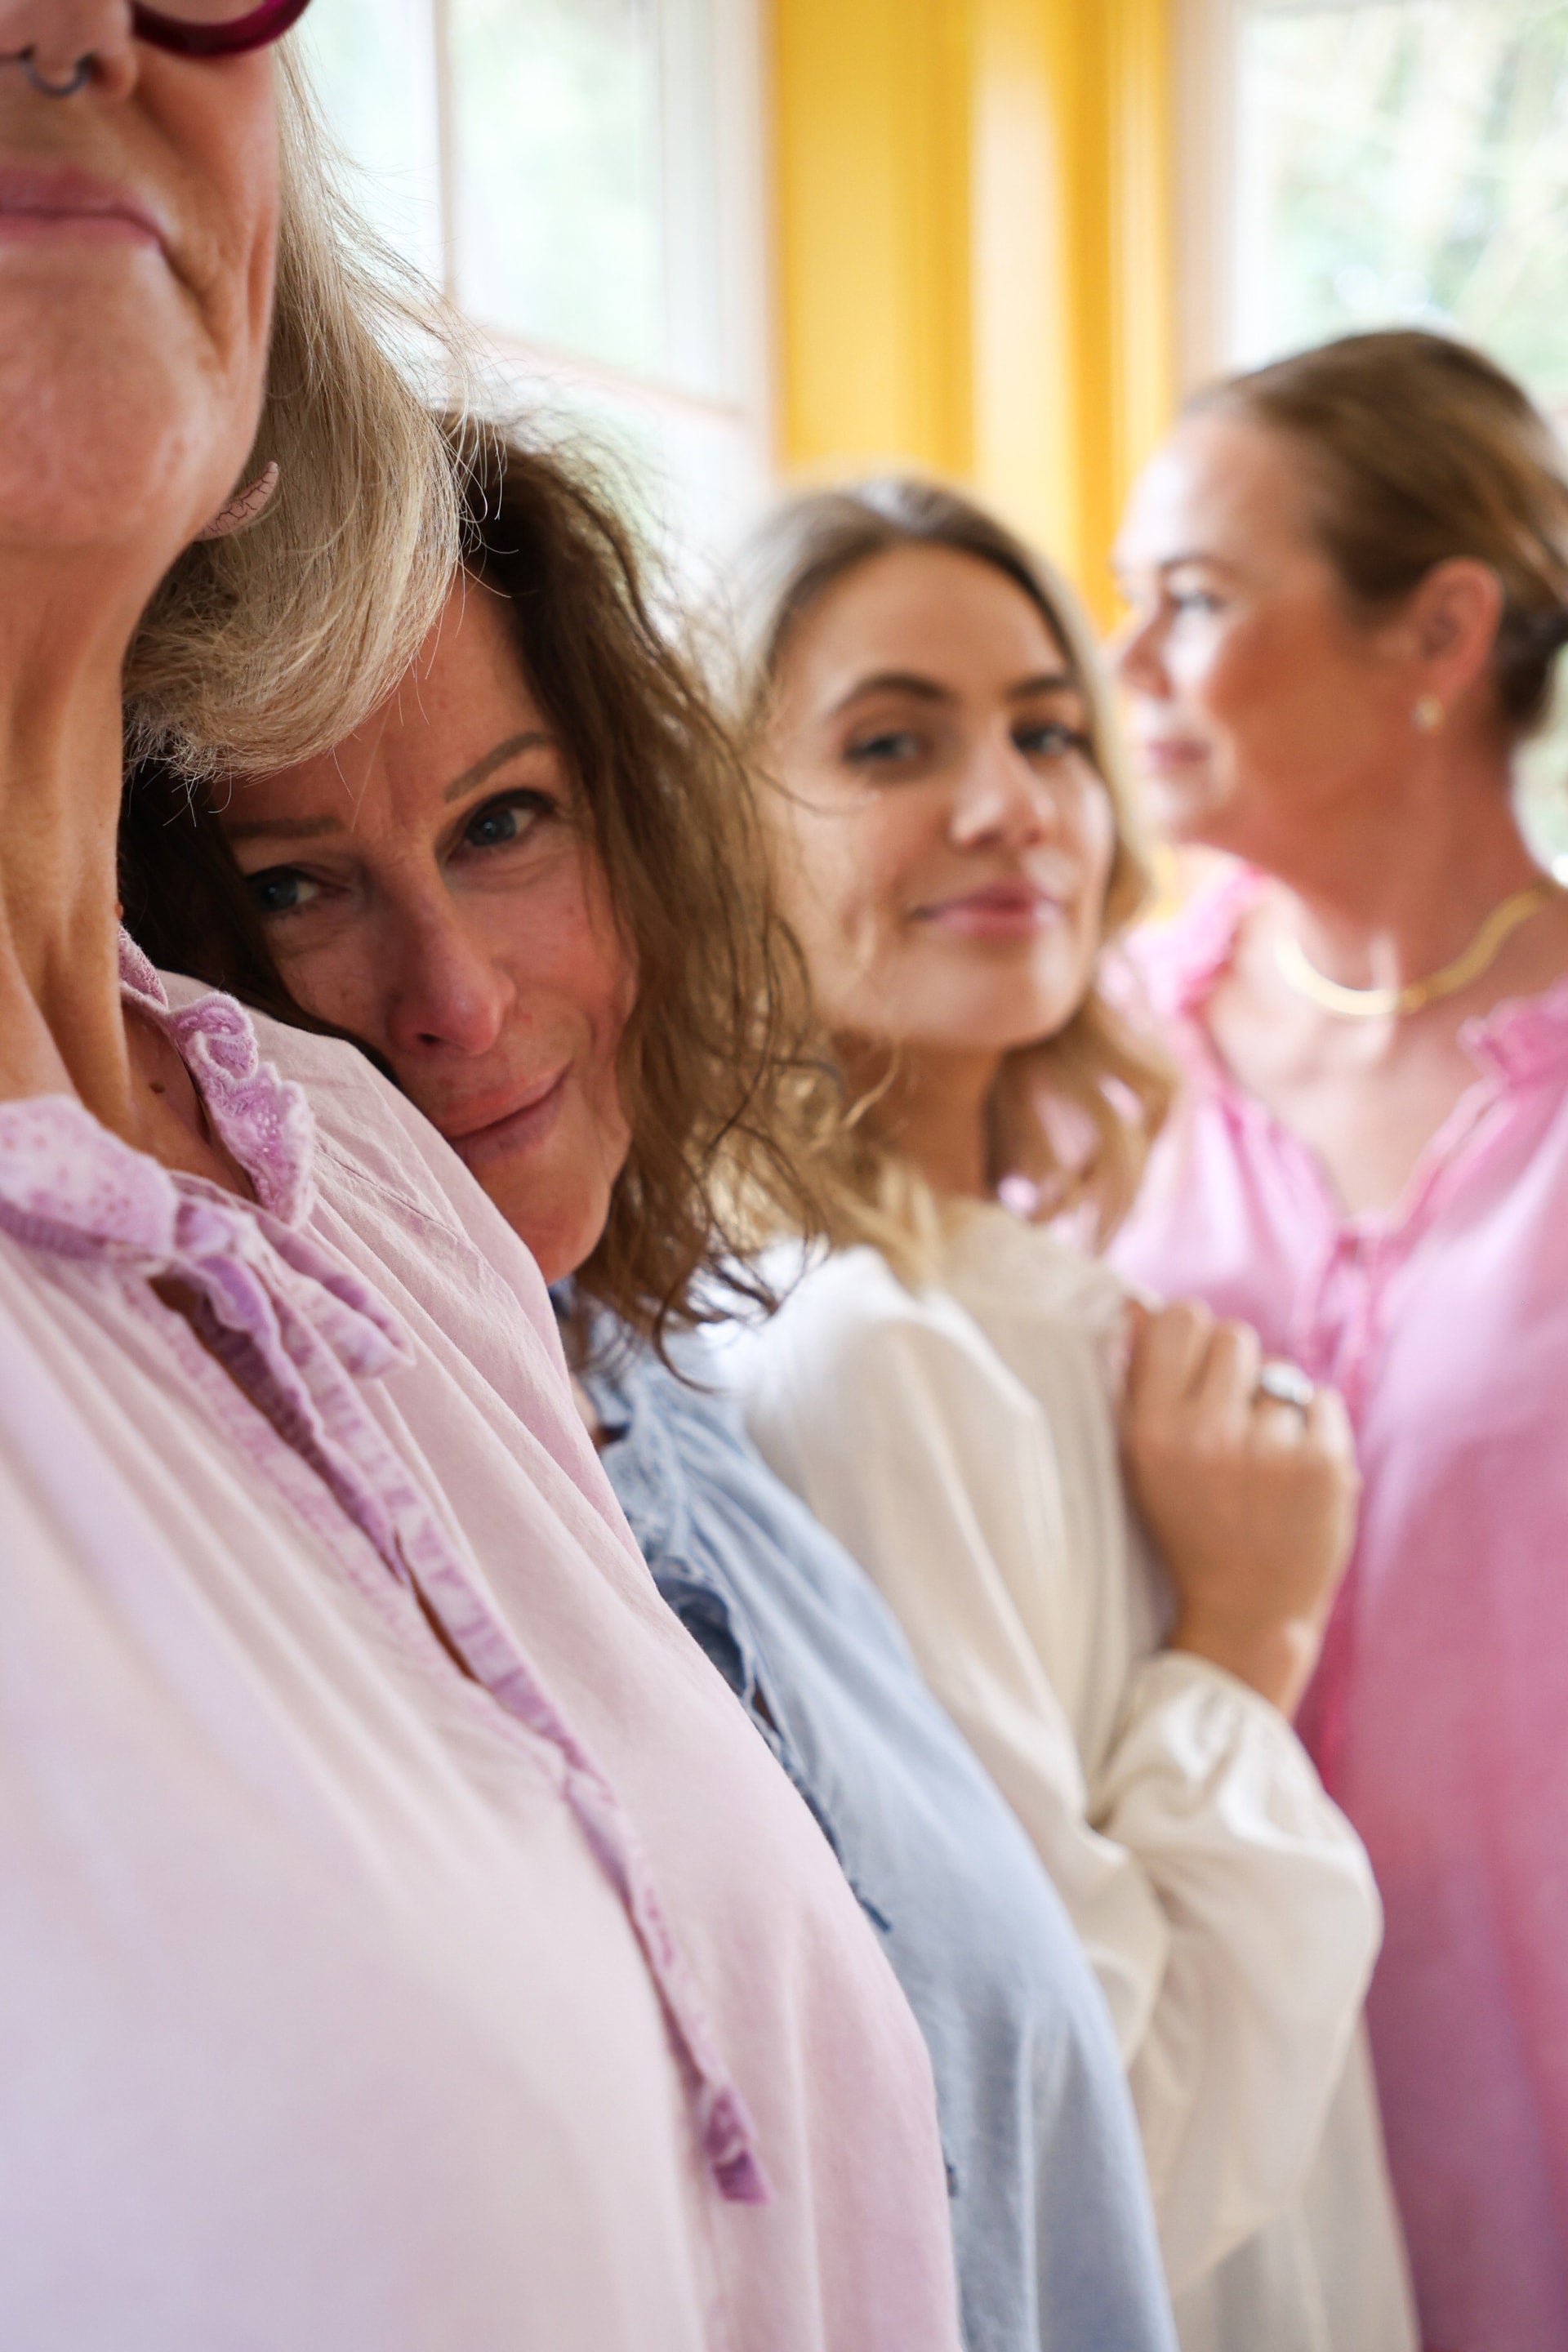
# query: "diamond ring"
[[1286, 1383]]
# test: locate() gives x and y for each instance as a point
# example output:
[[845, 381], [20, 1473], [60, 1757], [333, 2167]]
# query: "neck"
[[935, 1107], [61, 1027], [1402, 893]]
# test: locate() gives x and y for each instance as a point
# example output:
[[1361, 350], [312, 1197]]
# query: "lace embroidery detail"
[[262, 1119]]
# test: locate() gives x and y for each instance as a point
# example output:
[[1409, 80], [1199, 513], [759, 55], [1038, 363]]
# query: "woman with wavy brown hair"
[[536, 887], [947, 1386]]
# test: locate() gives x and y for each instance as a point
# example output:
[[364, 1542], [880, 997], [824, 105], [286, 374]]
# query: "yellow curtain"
[[975, 264]]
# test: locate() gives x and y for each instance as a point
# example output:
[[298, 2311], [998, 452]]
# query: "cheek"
[[851, 861]]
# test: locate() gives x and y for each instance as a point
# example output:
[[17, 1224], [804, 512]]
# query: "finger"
[[1229, 1382], [1330, 1424], [1168, 1352], [1277, 1428]]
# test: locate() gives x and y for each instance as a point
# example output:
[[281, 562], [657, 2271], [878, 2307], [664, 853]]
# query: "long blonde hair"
[[268, 647], [1096, 1072]]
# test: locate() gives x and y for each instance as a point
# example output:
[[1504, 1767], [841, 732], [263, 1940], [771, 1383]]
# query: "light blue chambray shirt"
[[1054, 2238]]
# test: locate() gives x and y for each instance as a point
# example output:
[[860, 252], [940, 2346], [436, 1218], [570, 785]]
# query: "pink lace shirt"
[[346, 1996], [1440, 1715]]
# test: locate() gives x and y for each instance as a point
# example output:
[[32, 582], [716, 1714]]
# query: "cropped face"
[[138, 228], [947, 836], [432, 886], [1262, 708]]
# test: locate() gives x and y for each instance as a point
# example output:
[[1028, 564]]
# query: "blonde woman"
[[407, 1940], [942, 1390]]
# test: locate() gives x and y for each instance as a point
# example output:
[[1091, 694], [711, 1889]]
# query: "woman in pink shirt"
[[407, 1943], [1349, 575]]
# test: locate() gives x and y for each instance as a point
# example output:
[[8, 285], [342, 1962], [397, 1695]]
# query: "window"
[[584, 177], [1404, 159], [1352, 163]]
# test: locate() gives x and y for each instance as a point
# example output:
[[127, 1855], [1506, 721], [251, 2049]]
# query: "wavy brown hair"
[[1113, 1083], [713, 1079]]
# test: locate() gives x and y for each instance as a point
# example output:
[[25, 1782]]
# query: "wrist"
[[1276, 1660]]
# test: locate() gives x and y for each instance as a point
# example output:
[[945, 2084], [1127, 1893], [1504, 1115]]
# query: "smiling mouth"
[[521, 1129], [1002, 911]]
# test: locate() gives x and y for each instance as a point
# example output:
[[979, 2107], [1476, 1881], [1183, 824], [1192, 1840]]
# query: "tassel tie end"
[[731, 2159]]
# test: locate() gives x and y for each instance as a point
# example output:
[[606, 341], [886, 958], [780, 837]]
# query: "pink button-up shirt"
[[347, 1998], [1439, 1713]]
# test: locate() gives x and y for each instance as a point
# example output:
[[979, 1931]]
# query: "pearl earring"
[[244, 507], [1428, 714]]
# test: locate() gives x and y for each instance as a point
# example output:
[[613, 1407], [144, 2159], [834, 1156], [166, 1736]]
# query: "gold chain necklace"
[[1389, 1004]]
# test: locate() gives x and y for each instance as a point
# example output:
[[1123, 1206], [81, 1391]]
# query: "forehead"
[[467, 693], [1221, 486], [934, 611]]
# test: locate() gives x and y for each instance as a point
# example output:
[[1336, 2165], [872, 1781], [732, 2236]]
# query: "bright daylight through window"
[[1407, 160], [584, 177]]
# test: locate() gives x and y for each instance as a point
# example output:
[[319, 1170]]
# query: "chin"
[[104, 401], [561, 1225]]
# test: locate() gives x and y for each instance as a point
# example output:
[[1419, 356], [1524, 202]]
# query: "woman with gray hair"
[[330, 1674]]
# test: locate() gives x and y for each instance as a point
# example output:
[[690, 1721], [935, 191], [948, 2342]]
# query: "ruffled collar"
[[1181, 964], [261, 1118]]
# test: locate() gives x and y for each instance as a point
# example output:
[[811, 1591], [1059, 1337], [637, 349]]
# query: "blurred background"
[[745, 241]]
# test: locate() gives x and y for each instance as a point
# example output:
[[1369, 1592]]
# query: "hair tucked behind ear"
[[1095, 1076], [268, 647], [1422, 449]]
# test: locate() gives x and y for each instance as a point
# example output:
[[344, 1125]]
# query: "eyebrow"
[[926, 689], [283, 828], [315, 828], [534, 740]]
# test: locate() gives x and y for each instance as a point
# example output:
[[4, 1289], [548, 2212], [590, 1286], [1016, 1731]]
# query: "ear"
[[1452, 621]]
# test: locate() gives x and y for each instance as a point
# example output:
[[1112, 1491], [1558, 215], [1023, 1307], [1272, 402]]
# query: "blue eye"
[[1052, 738], [889, 746], [280, 890], [503, 822]]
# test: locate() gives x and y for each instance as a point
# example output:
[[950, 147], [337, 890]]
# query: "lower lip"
[[81, 228], [981, 919], [1170, 759], [521, 1131]]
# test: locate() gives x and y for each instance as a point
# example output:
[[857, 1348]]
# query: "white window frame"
[[737, 418], [1208, 43]]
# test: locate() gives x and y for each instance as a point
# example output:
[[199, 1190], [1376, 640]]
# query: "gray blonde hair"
[[1096, 1074], [268, 647]]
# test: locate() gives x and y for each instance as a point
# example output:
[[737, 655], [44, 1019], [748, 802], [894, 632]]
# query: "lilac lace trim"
[[262, 1118], [298, 1332]]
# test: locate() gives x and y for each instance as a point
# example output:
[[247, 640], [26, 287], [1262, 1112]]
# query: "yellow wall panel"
[[975, 249]]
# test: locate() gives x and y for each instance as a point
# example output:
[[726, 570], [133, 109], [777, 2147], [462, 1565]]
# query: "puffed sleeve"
[[1227, 1907]]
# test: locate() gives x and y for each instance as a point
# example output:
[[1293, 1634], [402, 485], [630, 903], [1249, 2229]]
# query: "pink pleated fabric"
[[1439, 1713], [370, 1384]]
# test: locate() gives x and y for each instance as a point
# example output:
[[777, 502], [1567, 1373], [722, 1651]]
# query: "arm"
[[1225, 1906]]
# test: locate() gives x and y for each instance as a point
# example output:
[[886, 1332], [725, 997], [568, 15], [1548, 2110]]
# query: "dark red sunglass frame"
[[252, 29]]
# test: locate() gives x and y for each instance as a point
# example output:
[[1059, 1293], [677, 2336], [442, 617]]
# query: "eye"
[[1195, 600], [1052, 738], [888, 747], [509, 818], [281, 890]]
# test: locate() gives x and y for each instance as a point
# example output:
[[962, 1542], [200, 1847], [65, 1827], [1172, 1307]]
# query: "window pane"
[[1406, 160], [372, 63], [557, 118]]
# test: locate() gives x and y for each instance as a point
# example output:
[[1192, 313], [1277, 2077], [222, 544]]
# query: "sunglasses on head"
[[215, 28]]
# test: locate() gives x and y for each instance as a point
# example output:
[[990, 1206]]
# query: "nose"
[[449, 994], [1135, 651], [60, 48], [1002, 802]]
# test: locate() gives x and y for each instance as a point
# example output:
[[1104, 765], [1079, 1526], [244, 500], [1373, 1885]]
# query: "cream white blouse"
[[962, 1442]]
